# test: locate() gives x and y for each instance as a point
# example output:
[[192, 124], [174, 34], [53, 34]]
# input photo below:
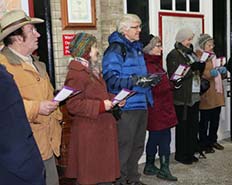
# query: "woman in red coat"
[[93, 153], [162, 116]]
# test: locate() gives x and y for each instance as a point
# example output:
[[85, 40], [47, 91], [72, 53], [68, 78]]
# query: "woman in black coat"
[[186, 95]]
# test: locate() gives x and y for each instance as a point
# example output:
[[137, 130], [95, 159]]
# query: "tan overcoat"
[[34, 86], [211, 98]]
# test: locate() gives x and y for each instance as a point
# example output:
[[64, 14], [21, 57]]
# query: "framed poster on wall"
[[170, 23], [78, 14]]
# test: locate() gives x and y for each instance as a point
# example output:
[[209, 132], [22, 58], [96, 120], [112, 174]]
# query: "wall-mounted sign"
[[66, 41]]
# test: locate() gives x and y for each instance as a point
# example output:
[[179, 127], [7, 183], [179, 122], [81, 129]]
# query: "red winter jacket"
[[162, 115]]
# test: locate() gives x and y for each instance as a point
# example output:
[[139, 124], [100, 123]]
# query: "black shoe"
[[201, 155], [209, 150], [184, 161], [195, 159], [218, 146]]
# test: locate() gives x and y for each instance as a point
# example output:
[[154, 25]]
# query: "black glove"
[[198, 66], [116, 112], [178, 83], [146, 81]]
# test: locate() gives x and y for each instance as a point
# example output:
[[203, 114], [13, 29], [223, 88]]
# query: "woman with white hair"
[[186, 96]]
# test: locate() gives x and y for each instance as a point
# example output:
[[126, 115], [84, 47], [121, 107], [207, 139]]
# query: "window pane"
[[194, 6], [181, 5], [166, 4]]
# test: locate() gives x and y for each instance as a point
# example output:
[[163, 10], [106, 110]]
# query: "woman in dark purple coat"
[[93, 154], [162, 116]]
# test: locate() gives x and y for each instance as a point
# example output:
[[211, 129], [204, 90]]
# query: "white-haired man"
[[124, 67]]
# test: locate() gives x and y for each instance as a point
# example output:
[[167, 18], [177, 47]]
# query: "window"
[[194, 6], [141, 8], [166, 4], [181, 5]]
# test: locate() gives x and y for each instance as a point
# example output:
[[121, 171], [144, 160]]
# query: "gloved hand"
[[146, 81], [116, 112], [213, 72], [155, 79], [222, 70], [178, 83], [198, 66]]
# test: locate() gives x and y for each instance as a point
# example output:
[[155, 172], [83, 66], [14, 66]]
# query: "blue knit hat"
[[81, 45]]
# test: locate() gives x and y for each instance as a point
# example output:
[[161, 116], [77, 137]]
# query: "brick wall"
[[107, 12]]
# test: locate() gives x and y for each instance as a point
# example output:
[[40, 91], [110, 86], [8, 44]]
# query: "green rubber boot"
[[164, 172], [150, 168]]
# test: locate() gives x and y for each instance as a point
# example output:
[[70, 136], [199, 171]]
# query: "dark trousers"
[[186, 131], [131, 137], [208, 127], [159, 140]]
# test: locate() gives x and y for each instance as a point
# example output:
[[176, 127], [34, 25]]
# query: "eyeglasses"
[[136, 27], [32, 30], [210, 45], [158, 46]]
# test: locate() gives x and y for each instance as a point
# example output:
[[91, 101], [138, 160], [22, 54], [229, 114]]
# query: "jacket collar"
[[16, 60], [75, 65]]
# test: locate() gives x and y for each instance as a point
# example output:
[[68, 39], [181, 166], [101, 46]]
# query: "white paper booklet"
[[122, 95], [204, 56], [64, 93], [180, 72]]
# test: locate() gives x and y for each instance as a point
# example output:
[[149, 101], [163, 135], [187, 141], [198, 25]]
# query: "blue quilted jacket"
[[118, 71]]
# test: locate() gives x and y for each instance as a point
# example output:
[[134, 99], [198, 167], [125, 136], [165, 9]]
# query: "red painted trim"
[[161, 14], [31, 8]]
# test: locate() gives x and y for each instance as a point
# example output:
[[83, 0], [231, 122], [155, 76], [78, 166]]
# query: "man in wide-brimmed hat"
[[20, 37]]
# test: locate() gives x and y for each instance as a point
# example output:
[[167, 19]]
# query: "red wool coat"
[[162, 115], [93, 153]]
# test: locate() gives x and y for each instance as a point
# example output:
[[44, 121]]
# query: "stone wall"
[[107, 12]]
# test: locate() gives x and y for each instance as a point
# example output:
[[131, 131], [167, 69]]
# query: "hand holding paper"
[[46, 107], [180, 72], [122, 95], [64, 93]]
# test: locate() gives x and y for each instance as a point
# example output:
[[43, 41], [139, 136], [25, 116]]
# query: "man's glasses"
[[32, 30], [136, 27]]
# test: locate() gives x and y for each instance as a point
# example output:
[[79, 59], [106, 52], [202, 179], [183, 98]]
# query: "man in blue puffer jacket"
[[124, 67]]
